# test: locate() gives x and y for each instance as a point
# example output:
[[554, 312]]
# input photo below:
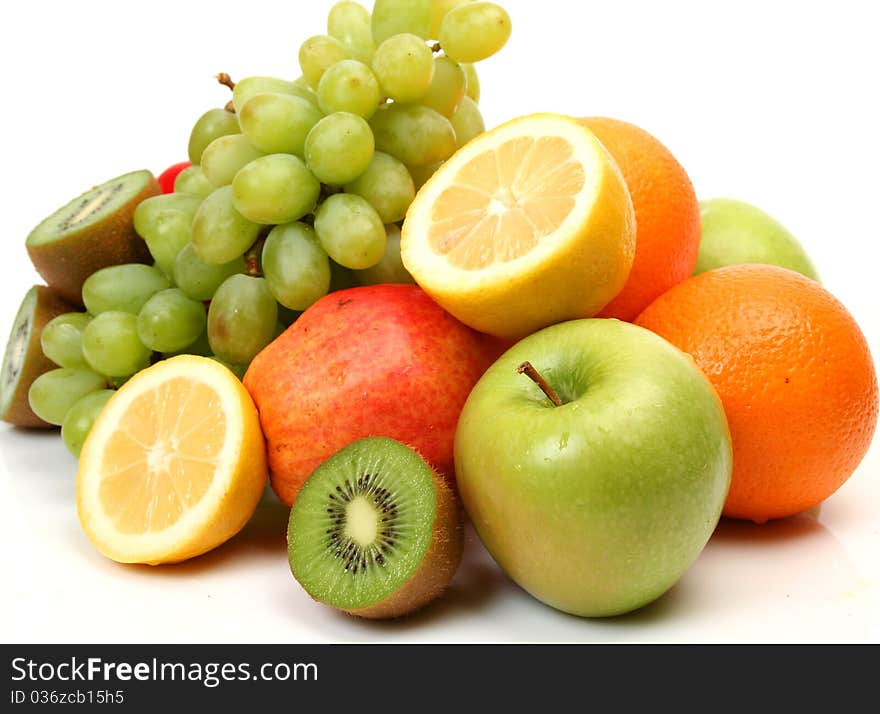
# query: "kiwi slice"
[[91, 232], [375, 531], [24, 360]]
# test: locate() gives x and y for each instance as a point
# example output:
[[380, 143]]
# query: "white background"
[[771, 102]]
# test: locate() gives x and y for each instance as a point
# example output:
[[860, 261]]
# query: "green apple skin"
[[734, 232], [596, 507]]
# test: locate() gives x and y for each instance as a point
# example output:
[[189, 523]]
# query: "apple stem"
[[527, 369]]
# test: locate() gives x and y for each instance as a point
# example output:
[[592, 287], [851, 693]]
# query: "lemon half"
[[527, 225], [174, 465]]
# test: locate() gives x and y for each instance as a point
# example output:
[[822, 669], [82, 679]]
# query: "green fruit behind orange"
[[734, 232]]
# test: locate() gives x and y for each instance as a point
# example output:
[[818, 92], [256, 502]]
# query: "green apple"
[[597, 504], [734, 232]]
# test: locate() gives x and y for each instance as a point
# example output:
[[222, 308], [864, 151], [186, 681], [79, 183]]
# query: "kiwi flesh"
[[93, 231], [375, 531], [24, 360]]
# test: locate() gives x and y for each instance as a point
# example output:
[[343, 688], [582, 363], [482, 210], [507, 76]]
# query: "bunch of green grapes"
[[310, 178], [297, 188], [134, 316]]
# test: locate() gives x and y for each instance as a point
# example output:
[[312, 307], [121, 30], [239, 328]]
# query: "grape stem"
[[252, 259], [527, 369], [225, 80], [435, 48]]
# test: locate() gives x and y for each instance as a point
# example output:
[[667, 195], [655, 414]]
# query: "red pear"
[[383, 360]]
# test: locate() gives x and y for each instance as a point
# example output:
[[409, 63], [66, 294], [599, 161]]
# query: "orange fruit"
[[174, 465], [528, 225], [667, 215], [794, 373]]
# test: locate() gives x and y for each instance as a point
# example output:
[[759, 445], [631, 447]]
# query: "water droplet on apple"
[[563, 441]]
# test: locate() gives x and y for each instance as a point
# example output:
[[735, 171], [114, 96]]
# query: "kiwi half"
[[24, 360], [91, 232], [375, 531]]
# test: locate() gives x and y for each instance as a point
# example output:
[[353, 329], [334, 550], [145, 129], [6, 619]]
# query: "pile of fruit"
[[355, 291]]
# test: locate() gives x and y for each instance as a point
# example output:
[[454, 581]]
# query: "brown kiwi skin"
[[437, 568], [66, 263], [48, 306]]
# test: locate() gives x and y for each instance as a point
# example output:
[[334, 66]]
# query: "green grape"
[[199, 280], [349, 86], [241, 319], [149, 210], [390, 268], [224, 157], [61, 340], [350, 23], [164, 223], [277, 188], [448, 87], [122, 288], [473, 82], [213, 124], [192, 180], [404, 66], [350, 231], [295, 266], [81, 417], [278, 123], [53, 393], [200, 346], [249, 87], [317, 54], [394, 17], [167, 236], [415, 134], [421, 174], [339, 148], [467, 122], [237, 369], [220, 234], [439, 10], [474, 31], [387, 186], [112, 347], [170, 321]]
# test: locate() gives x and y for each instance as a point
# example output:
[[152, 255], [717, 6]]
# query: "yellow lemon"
[[174, 465], [527, 225]]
